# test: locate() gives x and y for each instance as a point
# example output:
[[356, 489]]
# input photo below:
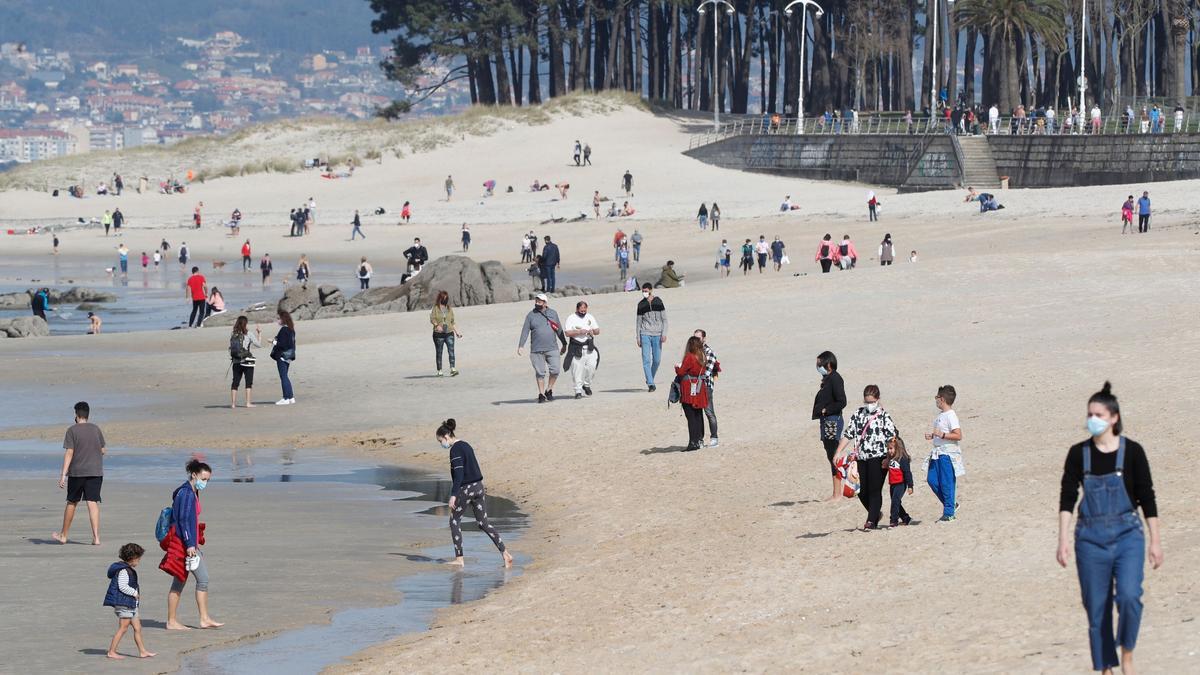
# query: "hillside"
[[111, 26]]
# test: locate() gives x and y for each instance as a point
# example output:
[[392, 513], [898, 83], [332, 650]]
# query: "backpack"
[[163, 526], [237, 348], [362, 272], [675, 394]]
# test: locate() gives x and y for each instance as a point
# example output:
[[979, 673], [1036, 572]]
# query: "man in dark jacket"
[[416, 255], [550, 263]]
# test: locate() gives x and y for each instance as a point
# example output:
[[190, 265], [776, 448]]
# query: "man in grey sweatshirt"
[[544, 332], [651, 331]]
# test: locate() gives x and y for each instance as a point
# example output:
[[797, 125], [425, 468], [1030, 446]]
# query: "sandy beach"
[[646, 559]]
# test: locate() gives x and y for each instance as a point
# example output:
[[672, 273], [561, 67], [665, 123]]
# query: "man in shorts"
[[83, 471], [543, 330]]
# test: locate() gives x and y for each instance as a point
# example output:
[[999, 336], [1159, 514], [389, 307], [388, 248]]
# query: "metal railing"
[[897, 125]]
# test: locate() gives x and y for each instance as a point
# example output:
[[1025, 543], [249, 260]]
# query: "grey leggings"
[[473, 493], [201, 574], [710, 412]]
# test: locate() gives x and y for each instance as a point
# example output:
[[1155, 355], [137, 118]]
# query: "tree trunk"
[[950, 61], [741, 80], [558, 81], [516, 59], [1010, 94], [503, 86], [821, 90], [675, 75], [487, 86], [772, 90], [927, 61], [535, 57], [1179, 24], [969, 66]]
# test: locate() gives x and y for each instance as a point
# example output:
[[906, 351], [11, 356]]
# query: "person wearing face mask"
[[543, 330], [182, 545], [283, 352], [827, 409], [869, 431], [1110, 546], [582, 356], [467, 488], [944, 465], [651, 332]]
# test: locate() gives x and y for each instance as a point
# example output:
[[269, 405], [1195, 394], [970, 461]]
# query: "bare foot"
[[95, 542], [832, 498], [59, 538], [232, 407], [147, 655], [209, 623], [175, 625], [459, 562], [1127, 667], [114, 655], [249, 405], [508, 559]]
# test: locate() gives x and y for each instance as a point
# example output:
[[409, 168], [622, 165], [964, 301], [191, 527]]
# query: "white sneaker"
[[713, 443], [283, 401], [291, 401]]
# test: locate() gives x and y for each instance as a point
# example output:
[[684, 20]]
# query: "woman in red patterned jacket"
[[693, 395]]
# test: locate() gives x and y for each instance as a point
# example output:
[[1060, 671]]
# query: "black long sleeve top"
[[464, 468], [1138, 483], [831, 398]]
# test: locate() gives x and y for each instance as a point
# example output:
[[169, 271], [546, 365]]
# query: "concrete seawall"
[[931, 162]]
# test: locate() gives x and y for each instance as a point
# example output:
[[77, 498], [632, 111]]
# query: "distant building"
[[319, 62], [31, 145], [12, 96]]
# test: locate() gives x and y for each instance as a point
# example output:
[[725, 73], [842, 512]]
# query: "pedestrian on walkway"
[[945, 466], [82, 472], [747, 257], [587, 154], [651, 332], [627, 183], [106, 220], [183, 542], [543, 330], [1110, 545], [466, 487], [449, 187], [582, 356], [847, 255]]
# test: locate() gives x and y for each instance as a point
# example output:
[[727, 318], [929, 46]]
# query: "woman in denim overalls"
[[1110, 547]]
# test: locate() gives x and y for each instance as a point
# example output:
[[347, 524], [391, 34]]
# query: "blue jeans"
[[651, 356], [548, 278], [942, 481], [704, 222], [284, 381], [125, 265], [1108, 549], [446, 339]]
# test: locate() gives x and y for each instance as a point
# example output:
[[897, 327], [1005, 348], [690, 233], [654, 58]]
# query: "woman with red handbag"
[[693, 395], [869, 430]]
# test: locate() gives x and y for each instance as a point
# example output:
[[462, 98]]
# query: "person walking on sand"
[[196, 215], [693, 395], [184, 255], [944, 465], [1110, 544], [827, 410], [712, 368], [887, 251], [870, 430], [762, 250], [714, 215], [778, 253], [543, 330], [1143, 205], [266, 266], [900, 480], [406, 212], [846, 253], [83, 472], [627, 183], [1127, 216], [444, 331], [118, 220], [651, 330], [303, 272], [283, 352], [106, 220], [596, 203], [246, 256], [157, 258], [724, 253], [54, 251], [466, 487], [364, 274], [145, 260], [197, 291], [636, 240], [551, 261], [124, 596], [94, 324], [449, 187], [702, 216], [577, 153], [747, 257], [582, 356], [872, 203], [357, 225], [123, 257], [182, 545], [240, 341], [466, 238], [587, 154], [623, 260]]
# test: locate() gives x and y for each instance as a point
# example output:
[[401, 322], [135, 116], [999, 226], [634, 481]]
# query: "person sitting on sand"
[[489, 187], [787, 204], [467, 488], [538, 186], [670, 278], [987, 202], [216, 302], [627, 210], [972, 195], [94, 324]]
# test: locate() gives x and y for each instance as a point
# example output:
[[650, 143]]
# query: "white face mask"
[[446, 444], [871, 407], [646, 294]]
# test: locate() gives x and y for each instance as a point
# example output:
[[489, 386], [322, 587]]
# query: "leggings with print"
[[473, 493]]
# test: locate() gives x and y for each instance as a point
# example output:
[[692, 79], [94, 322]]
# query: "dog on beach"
[[218, 264]]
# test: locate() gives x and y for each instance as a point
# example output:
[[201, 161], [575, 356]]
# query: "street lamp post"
[[803, 48], [716, 67], [1082, 65], [933, 95]]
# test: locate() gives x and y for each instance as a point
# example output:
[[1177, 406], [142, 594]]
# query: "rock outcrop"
[[24, 326], [72, 296]]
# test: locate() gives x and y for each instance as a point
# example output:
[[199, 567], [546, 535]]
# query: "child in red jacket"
[[900, 480]]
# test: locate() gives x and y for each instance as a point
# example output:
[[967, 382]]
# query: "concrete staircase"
[[979, 169]]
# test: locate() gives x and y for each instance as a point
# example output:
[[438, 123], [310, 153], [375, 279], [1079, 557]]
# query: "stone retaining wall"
[[1064, 161]]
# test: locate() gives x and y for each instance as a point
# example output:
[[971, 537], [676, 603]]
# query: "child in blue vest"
[[123, 597]]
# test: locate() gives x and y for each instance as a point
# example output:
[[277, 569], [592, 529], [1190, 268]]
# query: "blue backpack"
[[163, 526]]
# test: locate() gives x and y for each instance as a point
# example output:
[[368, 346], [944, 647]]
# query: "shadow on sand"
[[659, 451]]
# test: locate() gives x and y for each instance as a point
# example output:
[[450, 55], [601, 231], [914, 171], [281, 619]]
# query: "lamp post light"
[[716, 66], [803, 48], [1082, 64], [933, 95]]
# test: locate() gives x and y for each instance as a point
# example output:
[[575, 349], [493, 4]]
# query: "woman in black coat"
[[827, 407]]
